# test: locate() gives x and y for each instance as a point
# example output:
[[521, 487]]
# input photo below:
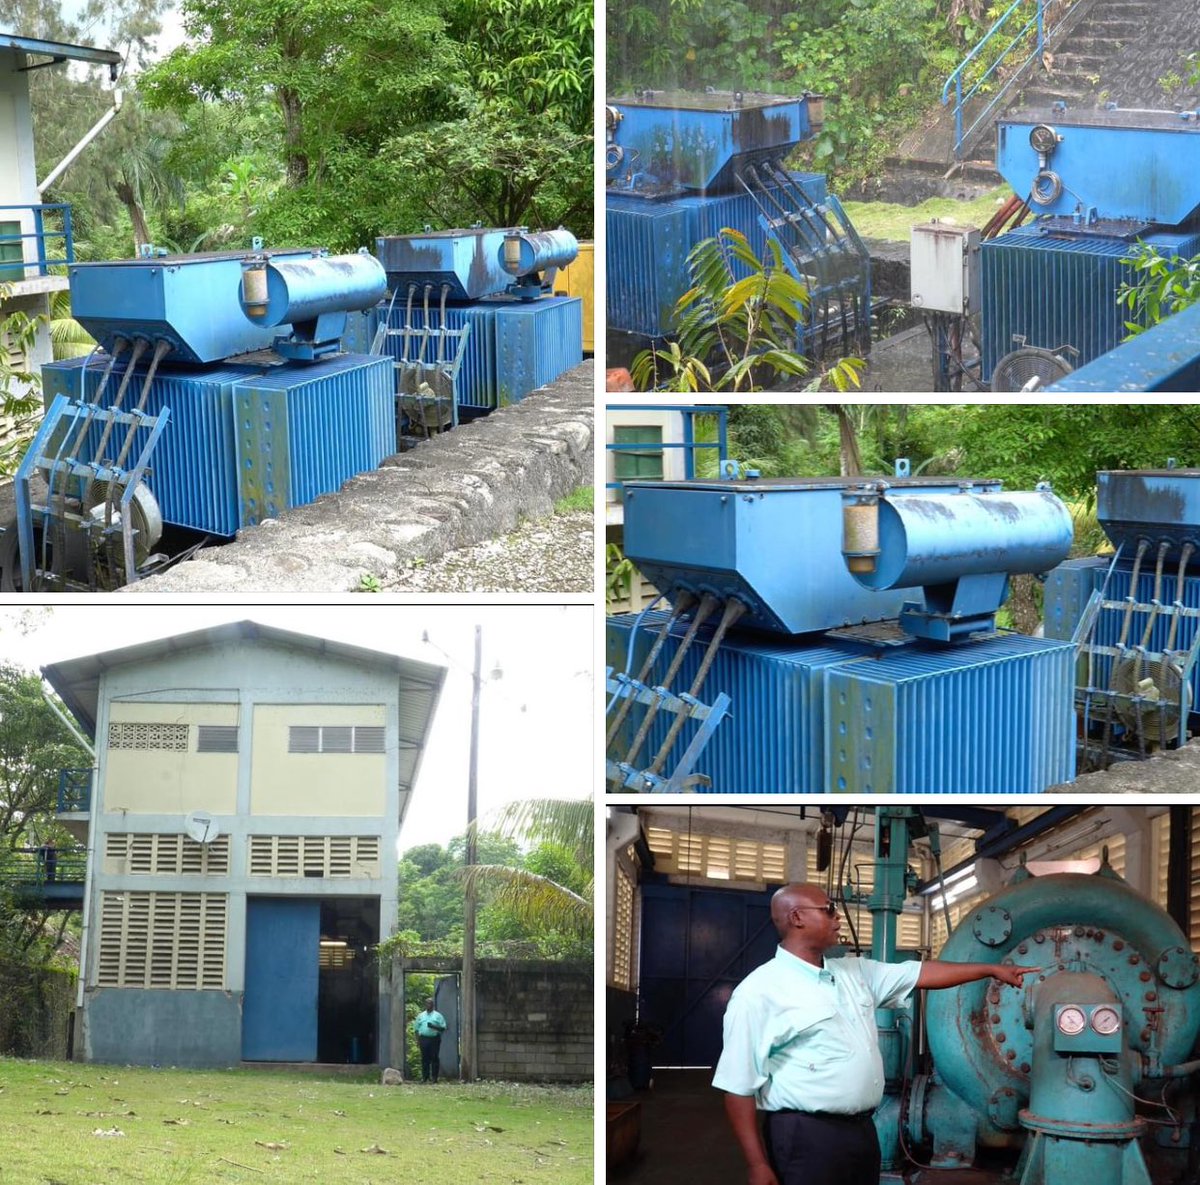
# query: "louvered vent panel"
[[172, 737], [217, 738], [169, 855], [368, 738], [314, 855], [163, 940], [304, 739]]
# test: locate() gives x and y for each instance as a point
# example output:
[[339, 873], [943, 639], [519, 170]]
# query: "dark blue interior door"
[[279, 1012], [697, 945]]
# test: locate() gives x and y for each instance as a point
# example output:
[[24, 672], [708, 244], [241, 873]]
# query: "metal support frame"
[[69, 421]]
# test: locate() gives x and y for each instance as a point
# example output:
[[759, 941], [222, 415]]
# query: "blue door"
[[279, 1012]]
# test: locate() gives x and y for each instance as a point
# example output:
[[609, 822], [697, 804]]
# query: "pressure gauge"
[[1071, 1020], [201, 827], [1106, 1021], [1043, 139]]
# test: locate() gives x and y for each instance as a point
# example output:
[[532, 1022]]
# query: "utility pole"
[[467, 1020]]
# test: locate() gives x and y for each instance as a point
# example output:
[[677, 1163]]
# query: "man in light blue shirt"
[[801, 1047], [429, 1027]]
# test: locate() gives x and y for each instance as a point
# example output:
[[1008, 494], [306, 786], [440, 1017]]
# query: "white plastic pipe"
[[88, 137]]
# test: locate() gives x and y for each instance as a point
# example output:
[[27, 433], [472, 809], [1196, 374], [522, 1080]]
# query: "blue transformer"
[[817, 714], [245, 442], [489, 283], [684, 165], [1158, 512], [1097, 182], [813, 681]]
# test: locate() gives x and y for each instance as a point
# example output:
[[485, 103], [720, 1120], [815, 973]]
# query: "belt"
[[842, 1117]]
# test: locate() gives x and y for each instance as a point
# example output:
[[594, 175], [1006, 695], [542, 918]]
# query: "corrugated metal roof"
[[77, 680], [61, 51]]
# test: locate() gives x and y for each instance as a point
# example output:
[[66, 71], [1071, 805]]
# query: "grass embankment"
[[59, 1125], [885, 220]]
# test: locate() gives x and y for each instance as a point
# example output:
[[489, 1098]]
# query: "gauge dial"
[[1106, 1021], [1043, 138], [1071, 1020]]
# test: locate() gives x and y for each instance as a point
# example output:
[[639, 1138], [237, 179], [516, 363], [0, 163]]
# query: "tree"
[[531, 893], [34, 746]]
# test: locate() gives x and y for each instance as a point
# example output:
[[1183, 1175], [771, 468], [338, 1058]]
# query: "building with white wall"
[[241, 826]]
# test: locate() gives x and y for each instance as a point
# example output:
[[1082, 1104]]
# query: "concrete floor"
[[685, 1137]]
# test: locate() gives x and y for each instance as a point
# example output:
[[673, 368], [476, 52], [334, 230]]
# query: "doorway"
[[445, 990], [312, 990]]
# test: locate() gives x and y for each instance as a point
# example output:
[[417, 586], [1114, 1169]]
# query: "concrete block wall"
[[536, 1021]]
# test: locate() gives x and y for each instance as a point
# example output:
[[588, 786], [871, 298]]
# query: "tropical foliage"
[[736, 327], [1160, 285]]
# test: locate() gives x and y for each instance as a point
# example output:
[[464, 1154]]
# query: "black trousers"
[[822, 1149], [430, 1057]]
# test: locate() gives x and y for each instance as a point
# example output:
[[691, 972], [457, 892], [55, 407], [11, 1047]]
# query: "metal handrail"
[[1038, 21], [40, 235], [43, 866]]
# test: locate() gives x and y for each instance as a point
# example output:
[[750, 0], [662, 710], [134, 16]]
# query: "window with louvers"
[[217, 738], [163, 940], [314, 855], [335, 738]]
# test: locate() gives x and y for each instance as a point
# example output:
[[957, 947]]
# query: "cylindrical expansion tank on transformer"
[[932, 538], [526, 252], [277, 291]]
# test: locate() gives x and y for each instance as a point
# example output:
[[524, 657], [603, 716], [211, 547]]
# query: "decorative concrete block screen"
[[314, 855], [163, 940], [172, 737]]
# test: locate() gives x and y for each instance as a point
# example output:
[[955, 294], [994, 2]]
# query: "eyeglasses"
[[830, 907]]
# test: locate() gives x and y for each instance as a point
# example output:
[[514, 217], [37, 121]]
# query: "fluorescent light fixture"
[[331, 942]]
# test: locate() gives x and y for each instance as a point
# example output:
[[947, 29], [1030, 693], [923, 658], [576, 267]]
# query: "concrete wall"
[[536, 1021], [144, 1027], [236, 679]]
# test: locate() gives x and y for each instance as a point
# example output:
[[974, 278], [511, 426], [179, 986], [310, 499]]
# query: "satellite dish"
[[201, 827], [1029, 368]]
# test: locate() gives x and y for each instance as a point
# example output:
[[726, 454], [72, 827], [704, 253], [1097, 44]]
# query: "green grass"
[[580, 499], [207, 1126], [883, 220]]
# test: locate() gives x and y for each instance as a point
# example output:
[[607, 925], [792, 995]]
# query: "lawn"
[[62, 1123], [885, 220]]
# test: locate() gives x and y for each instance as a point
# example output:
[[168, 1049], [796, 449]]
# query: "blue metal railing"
[[1032, 35], [689, 443], [41, 236], [36, 867], [74, 790]]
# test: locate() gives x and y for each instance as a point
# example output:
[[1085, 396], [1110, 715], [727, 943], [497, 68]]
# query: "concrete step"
[[1077, 63], [1103, 46], [1047, 96], [1111, 28]]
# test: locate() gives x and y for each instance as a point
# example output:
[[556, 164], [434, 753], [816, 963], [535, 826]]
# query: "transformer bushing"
[[1052, 1067]]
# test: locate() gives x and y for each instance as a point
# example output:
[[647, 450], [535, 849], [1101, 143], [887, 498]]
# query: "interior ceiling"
[[806, 819]]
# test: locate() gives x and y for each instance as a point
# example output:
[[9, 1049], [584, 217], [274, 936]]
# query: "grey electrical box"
[[945, 268]]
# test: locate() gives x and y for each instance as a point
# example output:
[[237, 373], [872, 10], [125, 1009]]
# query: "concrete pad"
[[460, 488], [1176, 772]]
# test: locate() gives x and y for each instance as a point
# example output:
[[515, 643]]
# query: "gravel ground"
[[551, 555]]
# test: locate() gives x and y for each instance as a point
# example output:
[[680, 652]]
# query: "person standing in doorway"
[[429, 1027]]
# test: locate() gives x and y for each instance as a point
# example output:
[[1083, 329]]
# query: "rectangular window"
[[335, 738], [640, 464], [217, 738]]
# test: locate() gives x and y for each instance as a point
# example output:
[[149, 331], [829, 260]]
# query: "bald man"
[[801, 1047]]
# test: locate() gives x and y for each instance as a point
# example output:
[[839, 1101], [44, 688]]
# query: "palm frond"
[[535, 901]]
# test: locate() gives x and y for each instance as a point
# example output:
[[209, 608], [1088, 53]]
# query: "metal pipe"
[[70, 726], [88, 137], [707, 604], [733, 610], [681, 606]]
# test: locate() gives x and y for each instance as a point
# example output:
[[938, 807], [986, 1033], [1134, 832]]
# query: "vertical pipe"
[[468, 1067], [689, 443], [1179, 866]]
